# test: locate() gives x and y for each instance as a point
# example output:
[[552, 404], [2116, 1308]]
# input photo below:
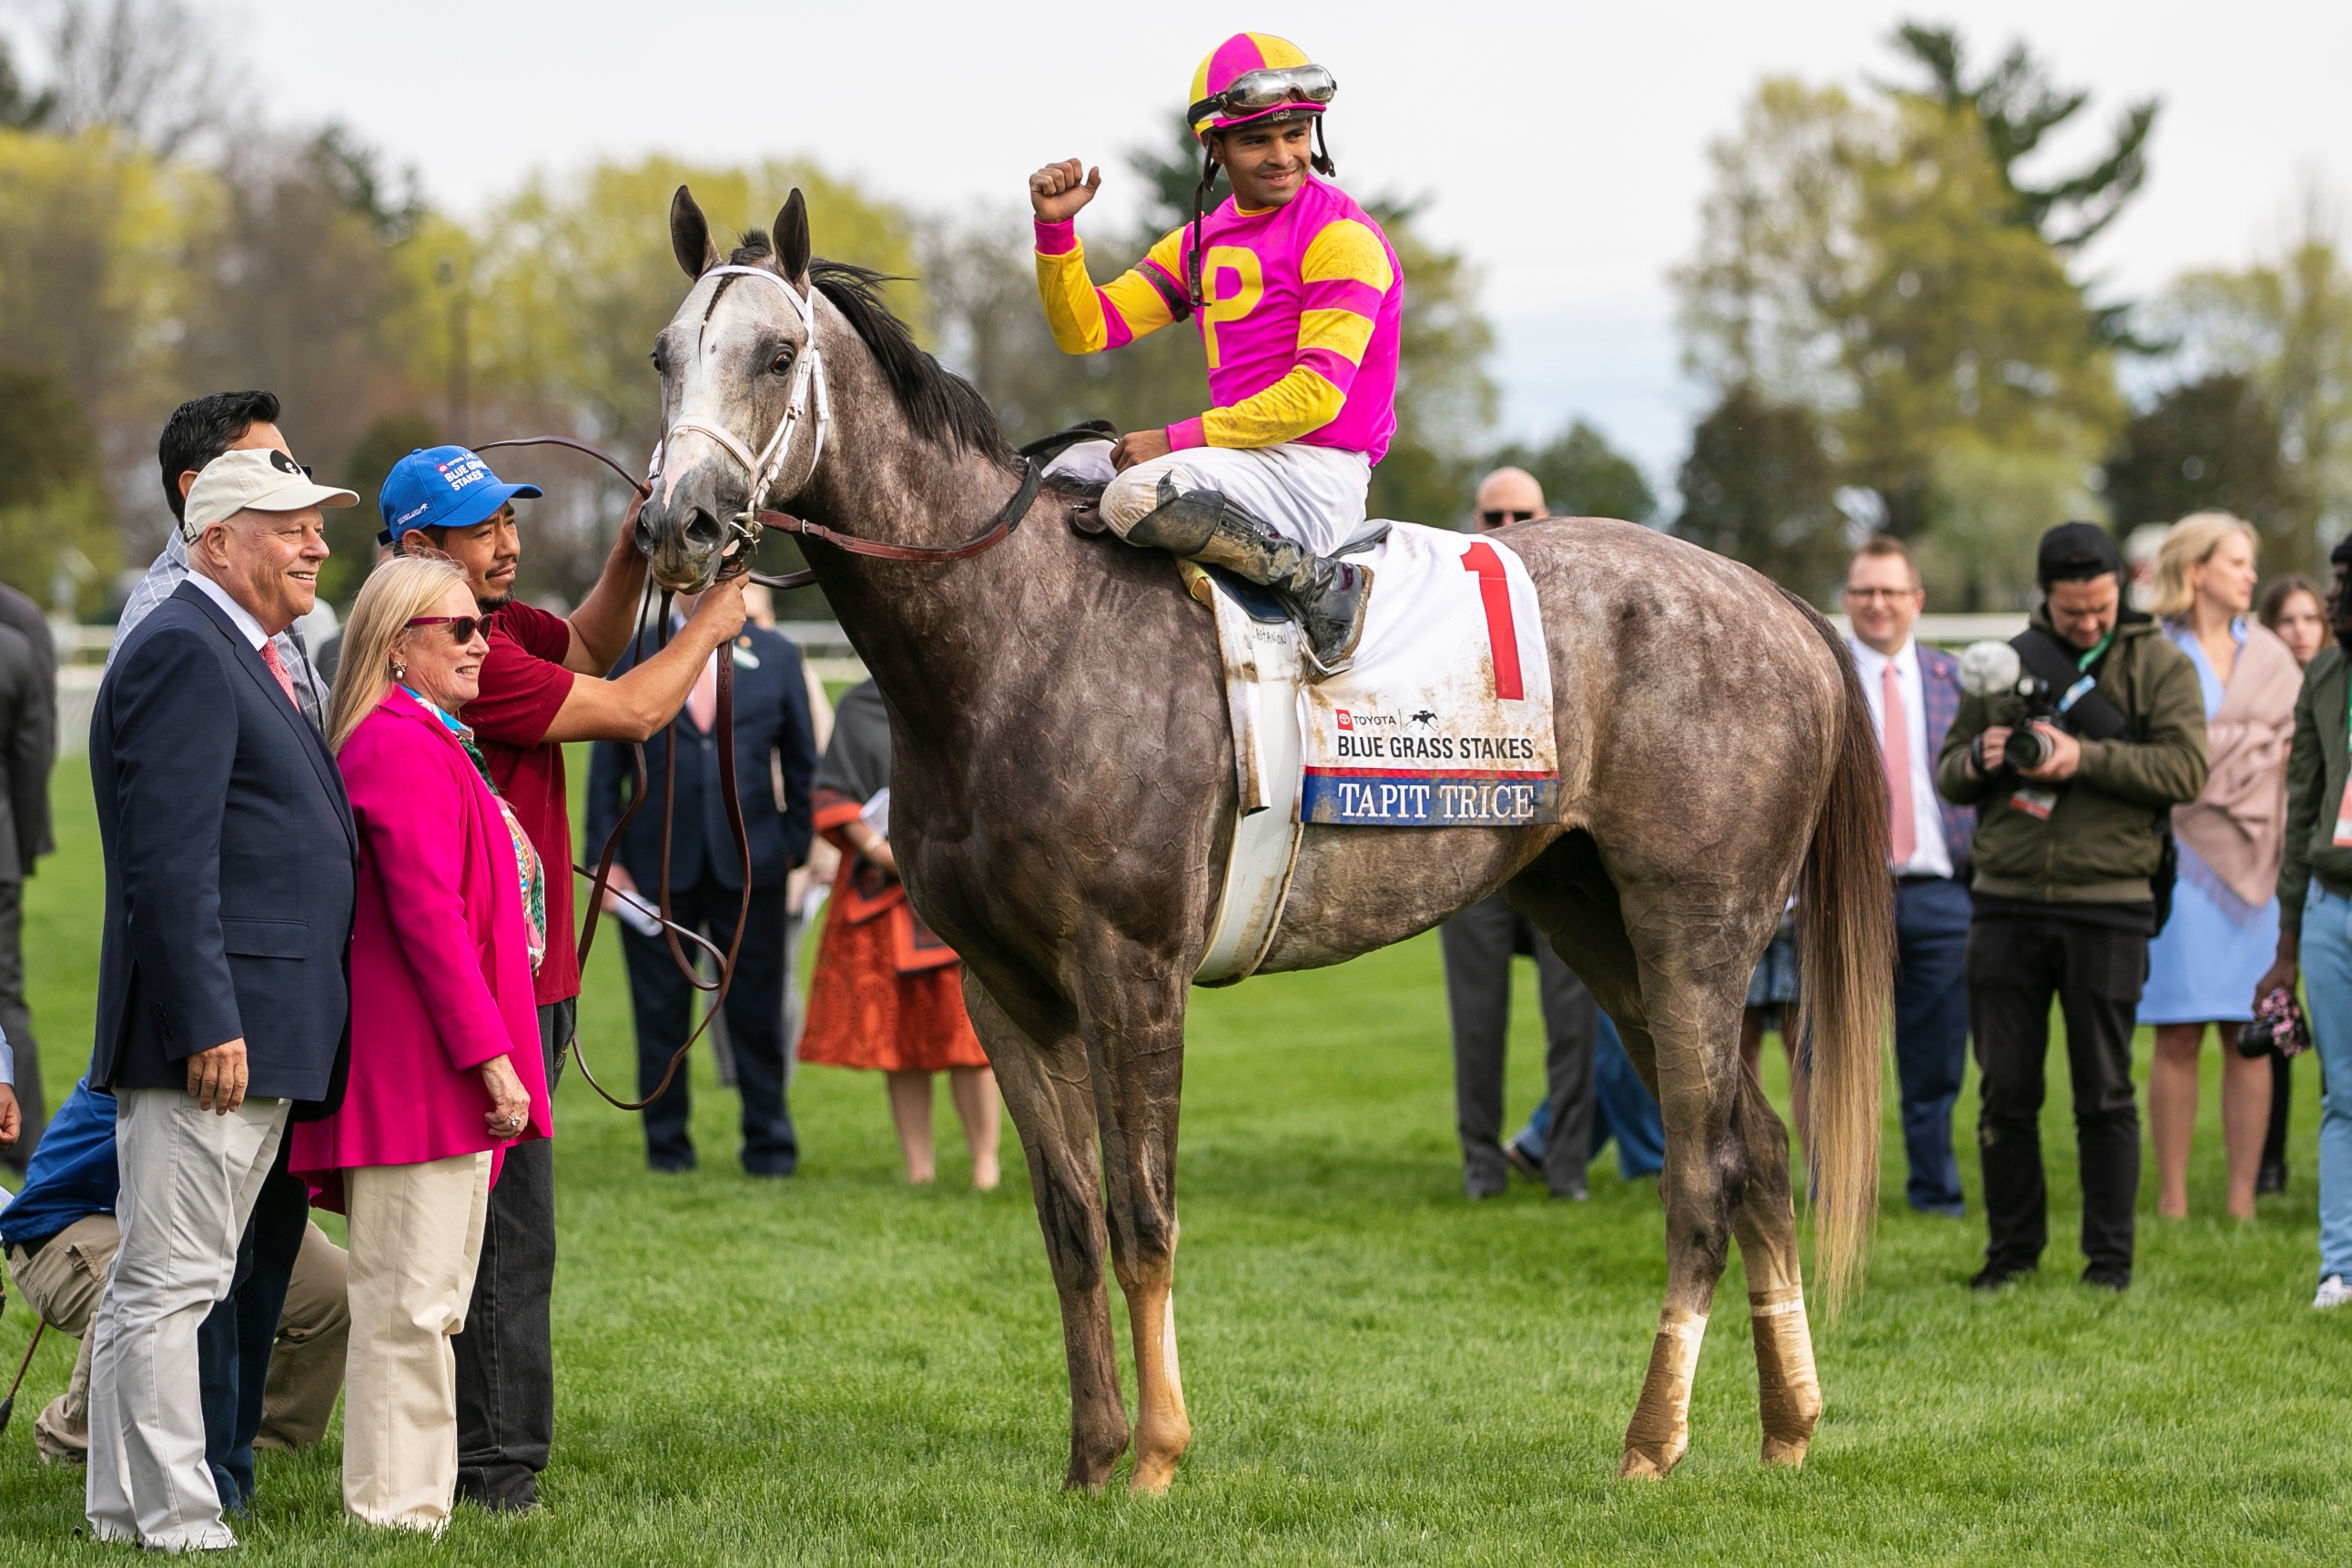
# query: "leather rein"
[[747, 528]]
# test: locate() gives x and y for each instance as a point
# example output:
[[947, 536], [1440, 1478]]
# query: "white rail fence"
[[82, 664]]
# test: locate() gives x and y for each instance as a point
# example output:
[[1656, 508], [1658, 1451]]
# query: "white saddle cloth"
[[1444, 720]]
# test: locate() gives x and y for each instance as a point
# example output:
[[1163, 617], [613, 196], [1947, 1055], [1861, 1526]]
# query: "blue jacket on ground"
[[231, 863], [72, 1175], [772, 722]]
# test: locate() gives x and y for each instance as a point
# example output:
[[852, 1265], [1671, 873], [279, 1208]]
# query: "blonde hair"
[[395, 593], [2191, 542]]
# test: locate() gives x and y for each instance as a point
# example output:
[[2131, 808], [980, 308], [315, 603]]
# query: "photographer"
[[2074, 784], [2315, 895]]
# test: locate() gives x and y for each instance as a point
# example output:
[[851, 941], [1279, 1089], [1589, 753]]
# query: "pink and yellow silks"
[[1300, 328]]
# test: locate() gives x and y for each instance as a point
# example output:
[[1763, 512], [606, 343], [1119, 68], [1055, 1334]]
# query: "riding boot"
[[1327, 598]]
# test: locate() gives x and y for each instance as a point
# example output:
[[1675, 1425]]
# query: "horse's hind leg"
[[1689, 1053], [1137, 1044], [1049, 1090], [1764, 1220]]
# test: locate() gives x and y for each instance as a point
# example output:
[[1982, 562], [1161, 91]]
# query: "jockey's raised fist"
[[1058, 191]]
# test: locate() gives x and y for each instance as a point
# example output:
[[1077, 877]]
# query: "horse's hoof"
[[1083, 1480], [1646, 1465], [1152, 1476], [1779, 1451]]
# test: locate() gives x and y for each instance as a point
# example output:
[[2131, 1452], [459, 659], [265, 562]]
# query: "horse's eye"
[[781, 362]]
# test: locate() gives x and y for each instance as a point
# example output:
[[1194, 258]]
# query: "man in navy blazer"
[[775, 756], [1913, 695], [222, 990]]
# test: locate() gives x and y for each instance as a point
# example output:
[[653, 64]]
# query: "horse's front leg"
[[1049, 1090], [1132, 1019], [1690, 1054]]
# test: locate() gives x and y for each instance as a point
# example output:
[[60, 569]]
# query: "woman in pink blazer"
[[445, 1069]]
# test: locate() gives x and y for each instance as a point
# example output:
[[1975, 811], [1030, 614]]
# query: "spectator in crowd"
[[446, 1067], [2067, 857], [2224, 926], [28, 743], [221, 996], [2294, 609], [12, 1121], [199, 431], [2315, 900], [540, 687], [244, 1328], [1914, 694], [775, 755], [1478, 944], [888, 996], [61, 1237], [1508, 496], [1621, 1109], [1773, 1007]]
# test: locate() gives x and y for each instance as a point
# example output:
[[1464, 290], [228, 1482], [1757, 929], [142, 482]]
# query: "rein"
[[749, 525]]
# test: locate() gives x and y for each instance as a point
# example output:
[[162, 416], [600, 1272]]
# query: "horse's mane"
[[940, 405]]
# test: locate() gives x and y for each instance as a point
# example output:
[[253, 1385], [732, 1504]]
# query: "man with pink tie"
[[1914, 694]]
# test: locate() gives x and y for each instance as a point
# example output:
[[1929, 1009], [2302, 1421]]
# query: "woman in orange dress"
[[889, 994]]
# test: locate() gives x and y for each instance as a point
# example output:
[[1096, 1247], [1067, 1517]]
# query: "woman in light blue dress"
[[2223, 932]]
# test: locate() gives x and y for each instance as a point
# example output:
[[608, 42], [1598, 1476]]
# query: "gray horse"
[[1063, 799]]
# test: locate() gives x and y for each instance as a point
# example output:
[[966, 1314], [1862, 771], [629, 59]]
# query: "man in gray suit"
[[28, 743]]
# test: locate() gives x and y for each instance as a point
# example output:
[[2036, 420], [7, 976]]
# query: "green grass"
[[840, 1368]]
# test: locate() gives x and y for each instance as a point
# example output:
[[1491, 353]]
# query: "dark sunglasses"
[[461, 627], [1496, 520]]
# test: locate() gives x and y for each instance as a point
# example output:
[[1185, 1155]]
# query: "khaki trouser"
[[416, 1234], [62, 1282], [189, 1181]]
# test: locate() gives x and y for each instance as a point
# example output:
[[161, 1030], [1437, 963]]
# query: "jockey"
[[1297, 295]]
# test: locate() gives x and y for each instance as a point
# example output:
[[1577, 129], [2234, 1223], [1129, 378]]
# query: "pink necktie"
[[702, 703], [277, 667], [1896, 750]]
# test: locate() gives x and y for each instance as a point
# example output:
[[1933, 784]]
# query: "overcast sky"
[[1562, 146]]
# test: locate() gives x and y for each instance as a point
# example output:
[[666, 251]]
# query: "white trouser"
[[189, 1180], [416, 1235], [1313, 495]]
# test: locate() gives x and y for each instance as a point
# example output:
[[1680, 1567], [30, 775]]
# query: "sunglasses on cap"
[[461, 627], [1497, 518], [1253, 92]]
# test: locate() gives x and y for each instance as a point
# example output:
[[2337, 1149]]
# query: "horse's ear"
[[792, 237], [690, 235]]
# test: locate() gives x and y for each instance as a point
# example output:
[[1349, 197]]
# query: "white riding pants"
[[189, 1181], [1313, 495]]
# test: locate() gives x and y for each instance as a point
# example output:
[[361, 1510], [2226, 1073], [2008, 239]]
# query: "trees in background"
[[1877, 289], [1582, 476]]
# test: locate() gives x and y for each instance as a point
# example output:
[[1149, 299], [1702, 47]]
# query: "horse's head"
[[744, 394]]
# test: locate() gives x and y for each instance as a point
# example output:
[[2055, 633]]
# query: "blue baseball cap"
[[442, 488]]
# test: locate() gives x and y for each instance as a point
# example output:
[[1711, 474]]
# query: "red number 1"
[[1502, 636]]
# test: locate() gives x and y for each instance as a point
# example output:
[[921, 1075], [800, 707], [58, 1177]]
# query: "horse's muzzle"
[[682, 539]]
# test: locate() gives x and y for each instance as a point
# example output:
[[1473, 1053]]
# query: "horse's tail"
[[1847, 950]]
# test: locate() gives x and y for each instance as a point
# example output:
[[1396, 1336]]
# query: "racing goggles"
[[1256, 92]]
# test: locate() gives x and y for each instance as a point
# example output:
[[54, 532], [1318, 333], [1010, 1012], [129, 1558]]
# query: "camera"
[[1994, 669]]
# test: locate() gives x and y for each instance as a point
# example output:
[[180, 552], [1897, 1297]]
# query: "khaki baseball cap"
[[260, 477]]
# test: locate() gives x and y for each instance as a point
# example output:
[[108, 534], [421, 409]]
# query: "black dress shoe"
[[2270, 1178], [2108, 1277], [1993, 1276]]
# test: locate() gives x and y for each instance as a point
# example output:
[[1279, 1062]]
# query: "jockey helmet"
[[1253, 78]]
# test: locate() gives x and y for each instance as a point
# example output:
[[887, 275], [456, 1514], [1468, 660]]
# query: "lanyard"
[[2087, 660]]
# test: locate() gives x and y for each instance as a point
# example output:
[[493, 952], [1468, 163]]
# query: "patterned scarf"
[[528, 868]]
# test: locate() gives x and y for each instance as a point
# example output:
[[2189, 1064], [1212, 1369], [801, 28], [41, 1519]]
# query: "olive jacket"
[[2102, 839], [2316, 766]]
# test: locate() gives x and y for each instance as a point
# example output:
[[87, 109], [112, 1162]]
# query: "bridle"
[[768, 465], [745, 529]]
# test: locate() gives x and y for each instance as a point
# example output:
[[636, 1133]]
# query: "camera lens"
[[2026, 749]]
